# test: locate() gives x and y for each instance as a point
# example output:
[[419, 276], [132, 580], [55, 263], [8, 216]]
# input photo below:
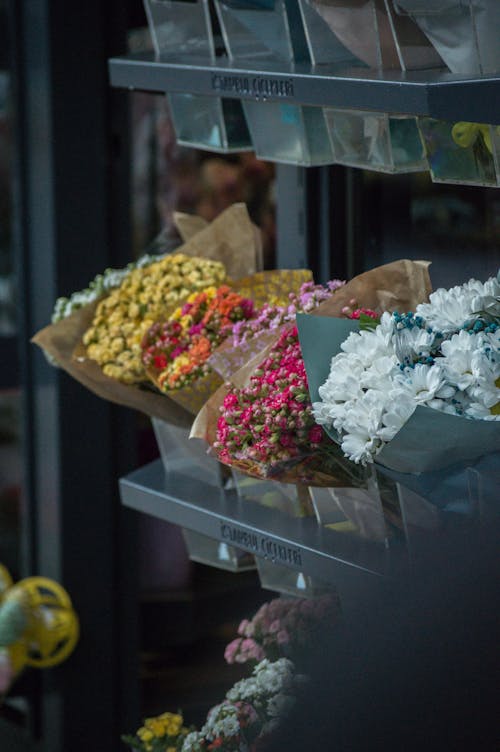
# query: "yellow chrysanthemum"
[[145, 295], [145, 734]]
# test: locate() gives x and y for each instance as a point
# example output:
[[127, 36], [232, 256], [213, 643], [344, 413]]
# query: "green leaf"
[[366, 322]]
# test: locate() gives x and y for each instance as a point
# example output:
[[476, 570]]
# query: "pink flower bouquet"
[[265, 427], [282, 628]]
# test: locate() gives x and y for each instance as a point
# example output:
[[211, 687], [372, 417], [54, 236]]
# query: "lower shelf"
[[297, 543]]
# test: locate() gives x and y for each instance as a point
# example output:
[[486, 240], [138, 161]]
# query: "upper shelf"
[[299, 544], [434, 93]]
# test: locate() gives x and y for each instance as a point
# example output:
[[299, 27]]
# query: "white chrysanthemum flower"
[[489, 300], [366, 413], [379, 373], [369, 344], [399, 410], [344, 378], [479, 411], [457, 361], [412, 343], [387, 324], [424, 383], [485, 364], [491, 345], [448, 310], [360, 426], [360, 446]]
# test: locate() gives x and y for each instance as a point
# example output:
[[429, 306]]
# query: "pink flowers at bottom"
[[282, 627]]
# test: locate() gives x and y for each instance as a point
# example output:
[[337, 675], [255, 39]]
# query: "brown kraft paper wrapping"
[[231, 239]]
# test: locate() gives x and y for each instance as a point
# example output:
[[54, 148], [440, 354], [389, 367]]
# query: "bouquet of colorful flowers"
[[261, 422], [283, 627], [163, 733], [251, 335], [252, 709], [96, 334], [175, 353], [309, 297], [434, 372]]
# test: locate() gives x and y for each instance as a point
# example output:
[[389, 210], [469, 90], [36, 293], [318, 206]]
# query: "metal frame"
[[71, 187], [297, 543], [434, 93]]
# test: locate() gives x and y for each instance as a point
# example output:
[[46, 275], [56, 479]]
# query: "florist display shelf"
[[299, 544], [433, 93]]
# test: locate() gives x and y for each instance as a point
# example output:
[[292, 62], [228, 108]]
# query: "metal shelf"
[[299, 544], [435, 93]]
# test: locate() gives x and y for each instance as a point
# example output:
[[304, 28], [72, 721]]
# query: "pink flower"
[[244, 628], [283, 637], [232, 650], [251, 650], [315, 434]]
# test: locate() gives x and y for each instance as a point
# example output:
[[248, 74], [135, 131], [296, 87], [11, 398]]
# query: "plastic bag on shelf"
[[280, 131], [180, 454], [371, 512], [376, 141], [255, 29], [463, 153], [180, 27], [464, 32], [289, 133], [375, 34]]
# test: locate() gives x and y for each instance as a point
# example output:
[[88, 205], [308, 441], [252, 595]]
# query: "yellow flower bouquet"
[[163, 733], [99, 343]]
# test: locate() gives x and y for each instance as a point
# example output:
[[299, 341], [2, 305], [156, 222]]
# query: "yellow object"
[[343, 527], [17, 657], [52, 629], [466, 134], [166, 724], [5, 580]]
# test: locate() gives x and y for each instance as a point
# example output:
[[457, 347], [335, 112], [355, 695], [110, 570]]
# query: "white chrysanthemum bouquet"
[[421, 390]]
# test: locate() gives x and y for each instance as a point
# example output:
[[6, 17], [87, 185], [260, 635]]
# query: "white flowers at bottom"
[[253, 707], [268, 678]]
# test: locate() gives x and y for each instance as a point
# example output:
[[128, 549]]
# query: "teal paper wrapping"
[[429, 441], [320, 339]]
